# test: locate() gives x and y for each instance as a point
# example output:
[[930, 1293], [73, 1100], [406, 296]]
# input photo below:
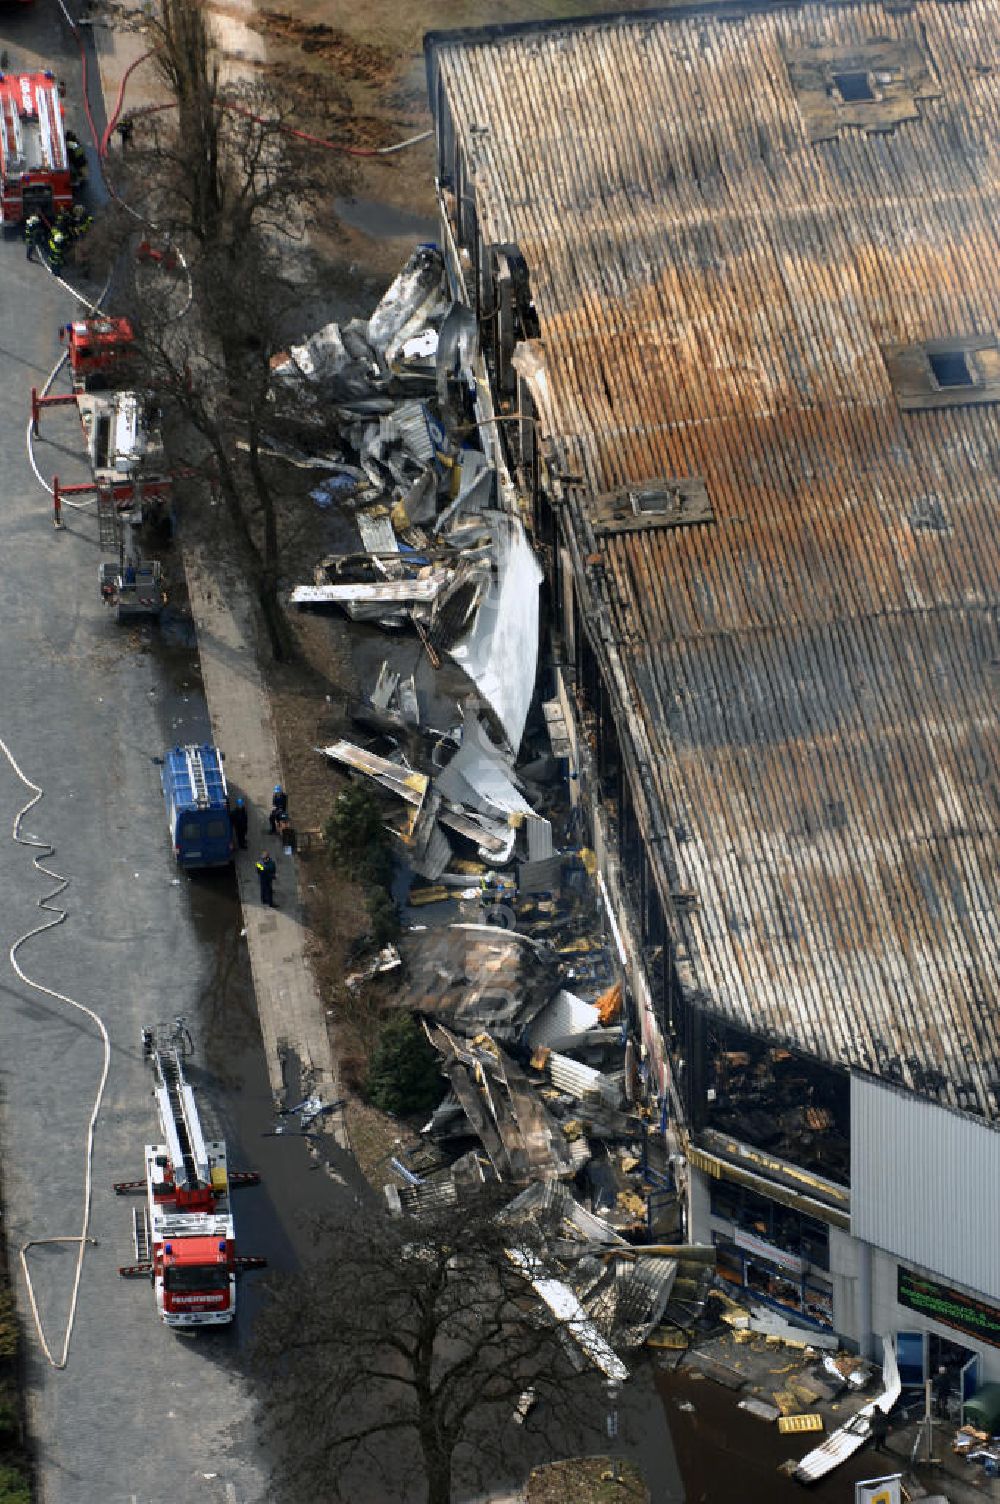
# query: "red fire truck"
[[34, 164], [100, 352], [184, 1235]]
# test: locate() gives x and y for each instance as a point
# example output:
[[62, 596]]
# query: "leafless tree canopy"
[[221, 177], [405, 1351], [228, 159]]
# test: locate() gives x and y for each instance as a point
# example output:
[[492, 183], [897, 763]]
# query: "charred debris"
[[504, 958], [546, 1099]]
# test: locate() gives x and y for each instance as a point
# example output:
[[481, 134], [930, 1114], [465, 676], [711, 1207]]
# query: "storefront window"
[[791, 1288], [805, 1237]]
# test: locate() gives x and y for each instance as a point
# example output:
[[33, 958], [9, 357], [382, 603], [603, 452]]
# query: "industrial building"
[[735, 274]]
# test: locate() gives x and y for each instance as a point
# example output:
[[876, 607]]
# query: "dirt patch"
[[586, 1480], [376, 1138], [347, 56]]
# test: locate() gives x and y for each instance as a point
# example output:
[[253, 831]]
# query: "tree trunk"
[[274, 616], [437, 1466]]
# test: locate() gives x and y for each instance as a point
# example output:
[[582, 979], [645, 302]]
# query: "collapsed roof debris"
[[565, 1021], [478, 979], [520, 1136], [431, 549], [566, 1308], [493, 839], [499, 653], [623, 1290], [435, 549]]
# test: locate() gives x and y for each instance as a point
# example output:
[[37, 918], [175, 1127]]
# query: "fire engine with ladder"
[[125, 449], [34, 162], [184, 1234]]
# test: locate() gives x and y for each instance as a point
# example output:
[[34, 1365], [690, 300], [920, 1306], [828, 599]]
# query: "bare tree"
[[411, 1340], [211, 372], [229, 158], [220, 177]]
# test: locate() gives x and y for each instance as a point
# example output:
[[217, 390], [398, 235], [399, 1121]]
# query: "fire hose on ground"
[[44, 850]]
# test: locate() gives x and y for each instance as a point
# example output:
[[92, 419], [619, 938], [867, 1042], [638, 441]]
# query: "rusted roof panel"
[[811, 677]]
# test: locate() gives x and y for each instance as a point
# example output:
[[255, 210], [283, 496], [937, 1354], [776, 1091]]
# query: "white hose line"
[[82, 1238], [387, 151], [90, 307]]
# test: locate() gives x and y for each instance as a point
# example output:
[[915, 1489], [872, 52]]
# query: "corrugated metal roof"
[[806, 685]]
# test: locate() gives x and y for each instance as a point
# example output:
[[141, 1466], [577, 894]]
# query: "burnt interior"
[[774, 1099]]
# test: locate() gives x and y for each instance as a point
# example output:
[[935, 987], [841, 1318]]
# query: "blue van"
[[197, 800]]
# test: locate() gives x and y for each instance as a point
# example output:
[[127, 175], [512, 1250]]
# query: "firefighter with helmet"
[[34, 234], [58, 241], [79, 221]]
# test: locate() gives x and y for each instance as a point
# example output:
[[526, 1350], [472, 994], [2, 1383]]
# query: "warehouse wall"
[[923, 1185]]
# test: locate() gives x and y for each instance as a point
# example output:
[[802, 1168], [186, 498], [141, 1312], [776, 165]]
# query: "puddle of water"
[[716, 1443], [177, 629], [385, 221]]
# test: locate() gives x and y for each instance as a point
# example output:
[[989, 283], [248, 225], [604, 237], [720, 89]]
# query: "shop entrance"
[[952, 1368]]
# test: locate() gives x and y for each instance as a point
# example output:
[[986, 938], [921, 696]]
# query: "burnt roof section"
[[807, 683]]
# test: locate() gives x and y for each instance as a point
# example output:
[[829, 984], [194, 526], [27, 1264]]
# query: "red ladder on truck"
[[184, 1237]]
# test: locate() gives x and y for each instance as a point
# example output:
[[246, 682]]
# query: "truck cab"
[[197, 804], [101, 351]]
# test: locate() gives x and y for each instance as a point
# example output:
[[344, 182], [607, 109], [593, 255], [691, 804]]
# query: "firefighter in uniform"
[[57, 248], [34, 234], [77, 160], [79, 221]]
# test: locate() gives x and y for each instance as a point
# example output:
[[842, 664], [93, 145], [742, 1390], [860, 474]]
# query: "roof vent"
[[666, 502], [959, 372], [951, 368], [873, 86]]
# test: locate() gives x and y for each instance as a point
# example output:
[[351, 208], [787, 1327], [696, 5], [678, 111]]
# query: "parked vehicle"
[[197, 800], [34, 162], [184, 1235]]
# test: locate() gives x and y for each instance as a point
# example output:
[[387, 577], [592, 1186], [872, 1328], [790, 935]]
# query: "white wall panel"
[[925, 1185]]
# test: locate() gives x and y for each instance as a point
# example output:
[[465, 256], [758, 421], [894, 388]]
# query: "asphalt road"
[[139, 1416]]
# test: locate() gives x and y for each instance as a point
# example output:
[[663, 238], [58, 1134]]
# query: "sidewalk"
[[292, 1015]]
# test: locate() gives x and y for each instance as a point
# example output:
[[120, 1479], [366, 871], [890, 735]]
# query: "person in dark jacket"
[[942, 1392], [77, 160], [279, 807], [238, 816], [879, 1429], [266, 872]]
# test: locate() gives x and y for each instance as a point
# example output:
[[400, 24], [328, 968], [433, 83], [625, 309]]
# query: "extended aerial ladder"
[[184, 1235], [130, 479]]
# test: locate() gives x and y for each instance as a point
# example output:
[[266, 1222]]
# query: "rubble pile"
[[436, 548], [519, 997]]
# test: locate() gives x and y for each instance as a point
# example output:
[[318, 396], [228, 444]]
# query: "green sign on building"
[[940, 1303]]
